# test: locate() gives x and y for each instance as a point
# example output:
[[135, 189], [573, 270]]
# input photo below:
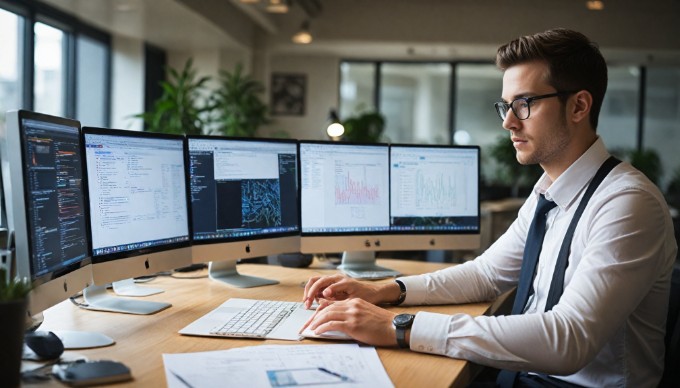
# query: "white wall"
[[321, 95]]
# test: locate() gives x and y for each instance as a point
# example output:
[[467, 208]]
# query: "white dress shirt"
[[608, 327]]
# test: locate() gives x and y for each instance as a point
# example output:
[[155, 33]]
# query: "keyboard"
[[257, 321], [381, 274]]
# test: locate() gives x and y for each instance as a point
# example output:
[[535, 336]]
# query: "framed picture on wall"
[[288, 94]]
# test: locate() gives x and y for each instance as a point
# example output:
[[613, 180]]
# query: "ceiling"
[[630, 30]]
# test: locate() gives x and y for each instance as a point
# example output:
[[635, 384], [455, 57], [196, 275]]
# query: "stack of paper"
[[278, 366]]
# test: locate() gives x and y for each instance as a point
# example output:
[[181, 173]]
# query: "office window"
[[414, 98], [478, 86], [91, 82], [11, 73], [49, 89], [662, 118], [357, 88], [619, 115]]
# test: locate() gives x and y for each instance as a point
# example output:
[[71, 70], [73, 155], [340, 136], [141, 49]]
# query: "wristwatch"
[[402, 322]]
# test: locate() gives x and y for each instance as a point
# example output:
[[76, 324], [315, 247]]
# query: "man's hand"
[[340, 287], [361, 320]]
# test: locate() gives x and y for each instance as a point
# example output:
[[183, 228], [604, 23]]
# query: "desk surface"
[[141, 340]]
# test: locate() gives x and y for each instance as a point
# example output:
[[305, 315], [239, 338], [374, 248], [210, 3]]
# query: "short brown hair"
[[574, 62]]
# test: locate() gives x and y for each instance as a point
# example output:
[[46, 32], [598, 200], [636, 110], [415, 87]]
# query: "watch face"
[[403, 320]]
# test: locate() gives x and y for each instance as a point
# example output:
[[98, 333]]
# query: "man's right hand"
[[340, 287]]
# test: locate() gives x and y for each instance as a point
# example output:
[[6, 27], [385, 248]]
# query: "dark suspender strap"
[[557, 284]]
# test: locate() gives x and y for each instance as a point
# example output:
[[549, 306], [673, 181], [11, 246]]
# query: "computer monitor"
[[139, 217], [46, 212], [361, 198], [244, 202], [434, 197], [345, 203]]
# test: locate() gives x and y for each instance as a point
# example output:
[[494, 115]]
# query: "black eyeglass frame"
[[528, 101]]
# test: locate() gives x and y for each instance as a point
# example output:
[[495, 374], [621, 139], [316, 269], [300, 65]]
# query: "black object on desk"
[[92, 373]]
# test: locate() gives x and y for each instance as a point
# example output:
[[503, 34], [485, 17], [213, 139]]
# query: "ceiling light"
[[595, 5], [303, 36], [335, 129], [277, 6]]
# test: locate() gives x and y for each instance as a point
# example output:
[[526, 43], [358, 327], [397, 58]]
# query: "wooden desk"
[[141, 340]]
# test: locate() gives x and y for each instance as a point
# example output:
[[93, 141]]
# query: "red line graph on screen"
[[352, 191]]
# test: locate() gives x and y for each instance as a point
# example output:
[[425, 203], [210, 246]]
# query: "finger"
[[332, 326], [315, 290], [322, 305], [306, 295], [328, 315]]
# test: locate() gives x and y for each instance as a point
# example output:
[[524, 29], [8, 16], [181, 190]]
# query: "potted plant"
[[179, 109], [365, 127], [13, 299], [238, 109]]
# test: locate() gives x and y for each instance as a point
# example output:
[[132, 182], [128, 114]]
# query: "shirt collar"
[[566, 189]]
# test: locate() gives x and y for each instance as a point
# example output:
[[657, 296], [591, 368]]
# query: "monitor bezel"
[[440, 232], [241, 242], [38, 280], [55, 286], [392, 240], [150, 251], [340, 233]]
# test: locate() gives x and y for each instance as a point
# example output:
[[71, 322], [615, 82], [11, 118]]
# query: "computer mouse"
[[44, 344]]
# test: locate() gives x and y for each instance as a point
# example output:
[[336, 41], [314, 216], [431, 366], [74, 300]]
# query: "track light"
[[303, 36], [277, 6], [335, 129]]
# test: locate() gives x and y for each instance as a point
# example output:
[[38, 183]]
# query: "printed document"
[[330, 366]]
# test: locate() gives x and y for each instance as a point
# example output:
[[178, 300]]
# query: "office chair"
[[671, 373]]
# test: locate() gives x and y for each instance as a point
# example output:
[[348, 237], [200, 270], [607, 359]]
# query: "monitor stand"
[[128, 287], [73, 339], [361, 265], [97, 298], [225, 271]]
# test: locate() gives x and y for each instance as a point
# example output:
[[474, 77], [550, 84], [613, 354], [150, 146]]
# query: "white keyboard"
[[257, 321], [371, 274]]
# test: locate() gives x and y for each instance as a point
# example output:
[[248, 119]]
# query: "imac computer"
[[434, 197], [361, 198], [42, 171], [139, 217], [244, 203], [345, 203]]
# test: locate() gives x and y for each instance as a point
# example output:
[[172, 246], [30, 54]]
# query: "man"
[[607, 327]]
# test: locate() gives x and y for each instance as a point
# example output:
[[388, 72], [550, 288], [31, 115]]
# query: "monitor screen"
[[47, 205], [244, 198], [344, 193], [139, 214], [363, 197], [434, 197]]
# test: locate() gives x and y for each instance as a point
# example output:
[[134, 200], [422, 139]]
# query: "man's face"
[[544, 136]]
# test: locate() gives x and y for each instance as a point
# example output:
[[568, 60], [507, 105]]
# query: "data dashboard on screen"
[[344, 195], [362, 198], [244, 202], [434, 188]]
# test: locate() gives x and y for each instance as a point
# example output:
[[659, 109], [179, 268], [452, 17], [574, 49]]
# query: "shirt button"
[[429, 349], [421, 347]]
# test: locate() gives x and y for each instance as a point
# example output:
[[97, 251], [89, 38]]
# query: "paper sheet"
[[341, 365]]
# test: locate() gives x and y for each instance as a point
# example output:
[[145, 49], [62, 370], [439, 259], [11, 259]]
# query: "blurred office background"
[[425, 65]]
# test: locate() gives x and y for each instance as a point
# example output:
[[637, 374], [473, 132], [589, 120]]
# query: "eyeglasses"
[[520, 106]]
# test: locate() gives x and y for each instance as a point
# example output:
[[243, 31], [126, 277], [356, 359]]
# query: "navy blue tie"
[[532, 249]]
